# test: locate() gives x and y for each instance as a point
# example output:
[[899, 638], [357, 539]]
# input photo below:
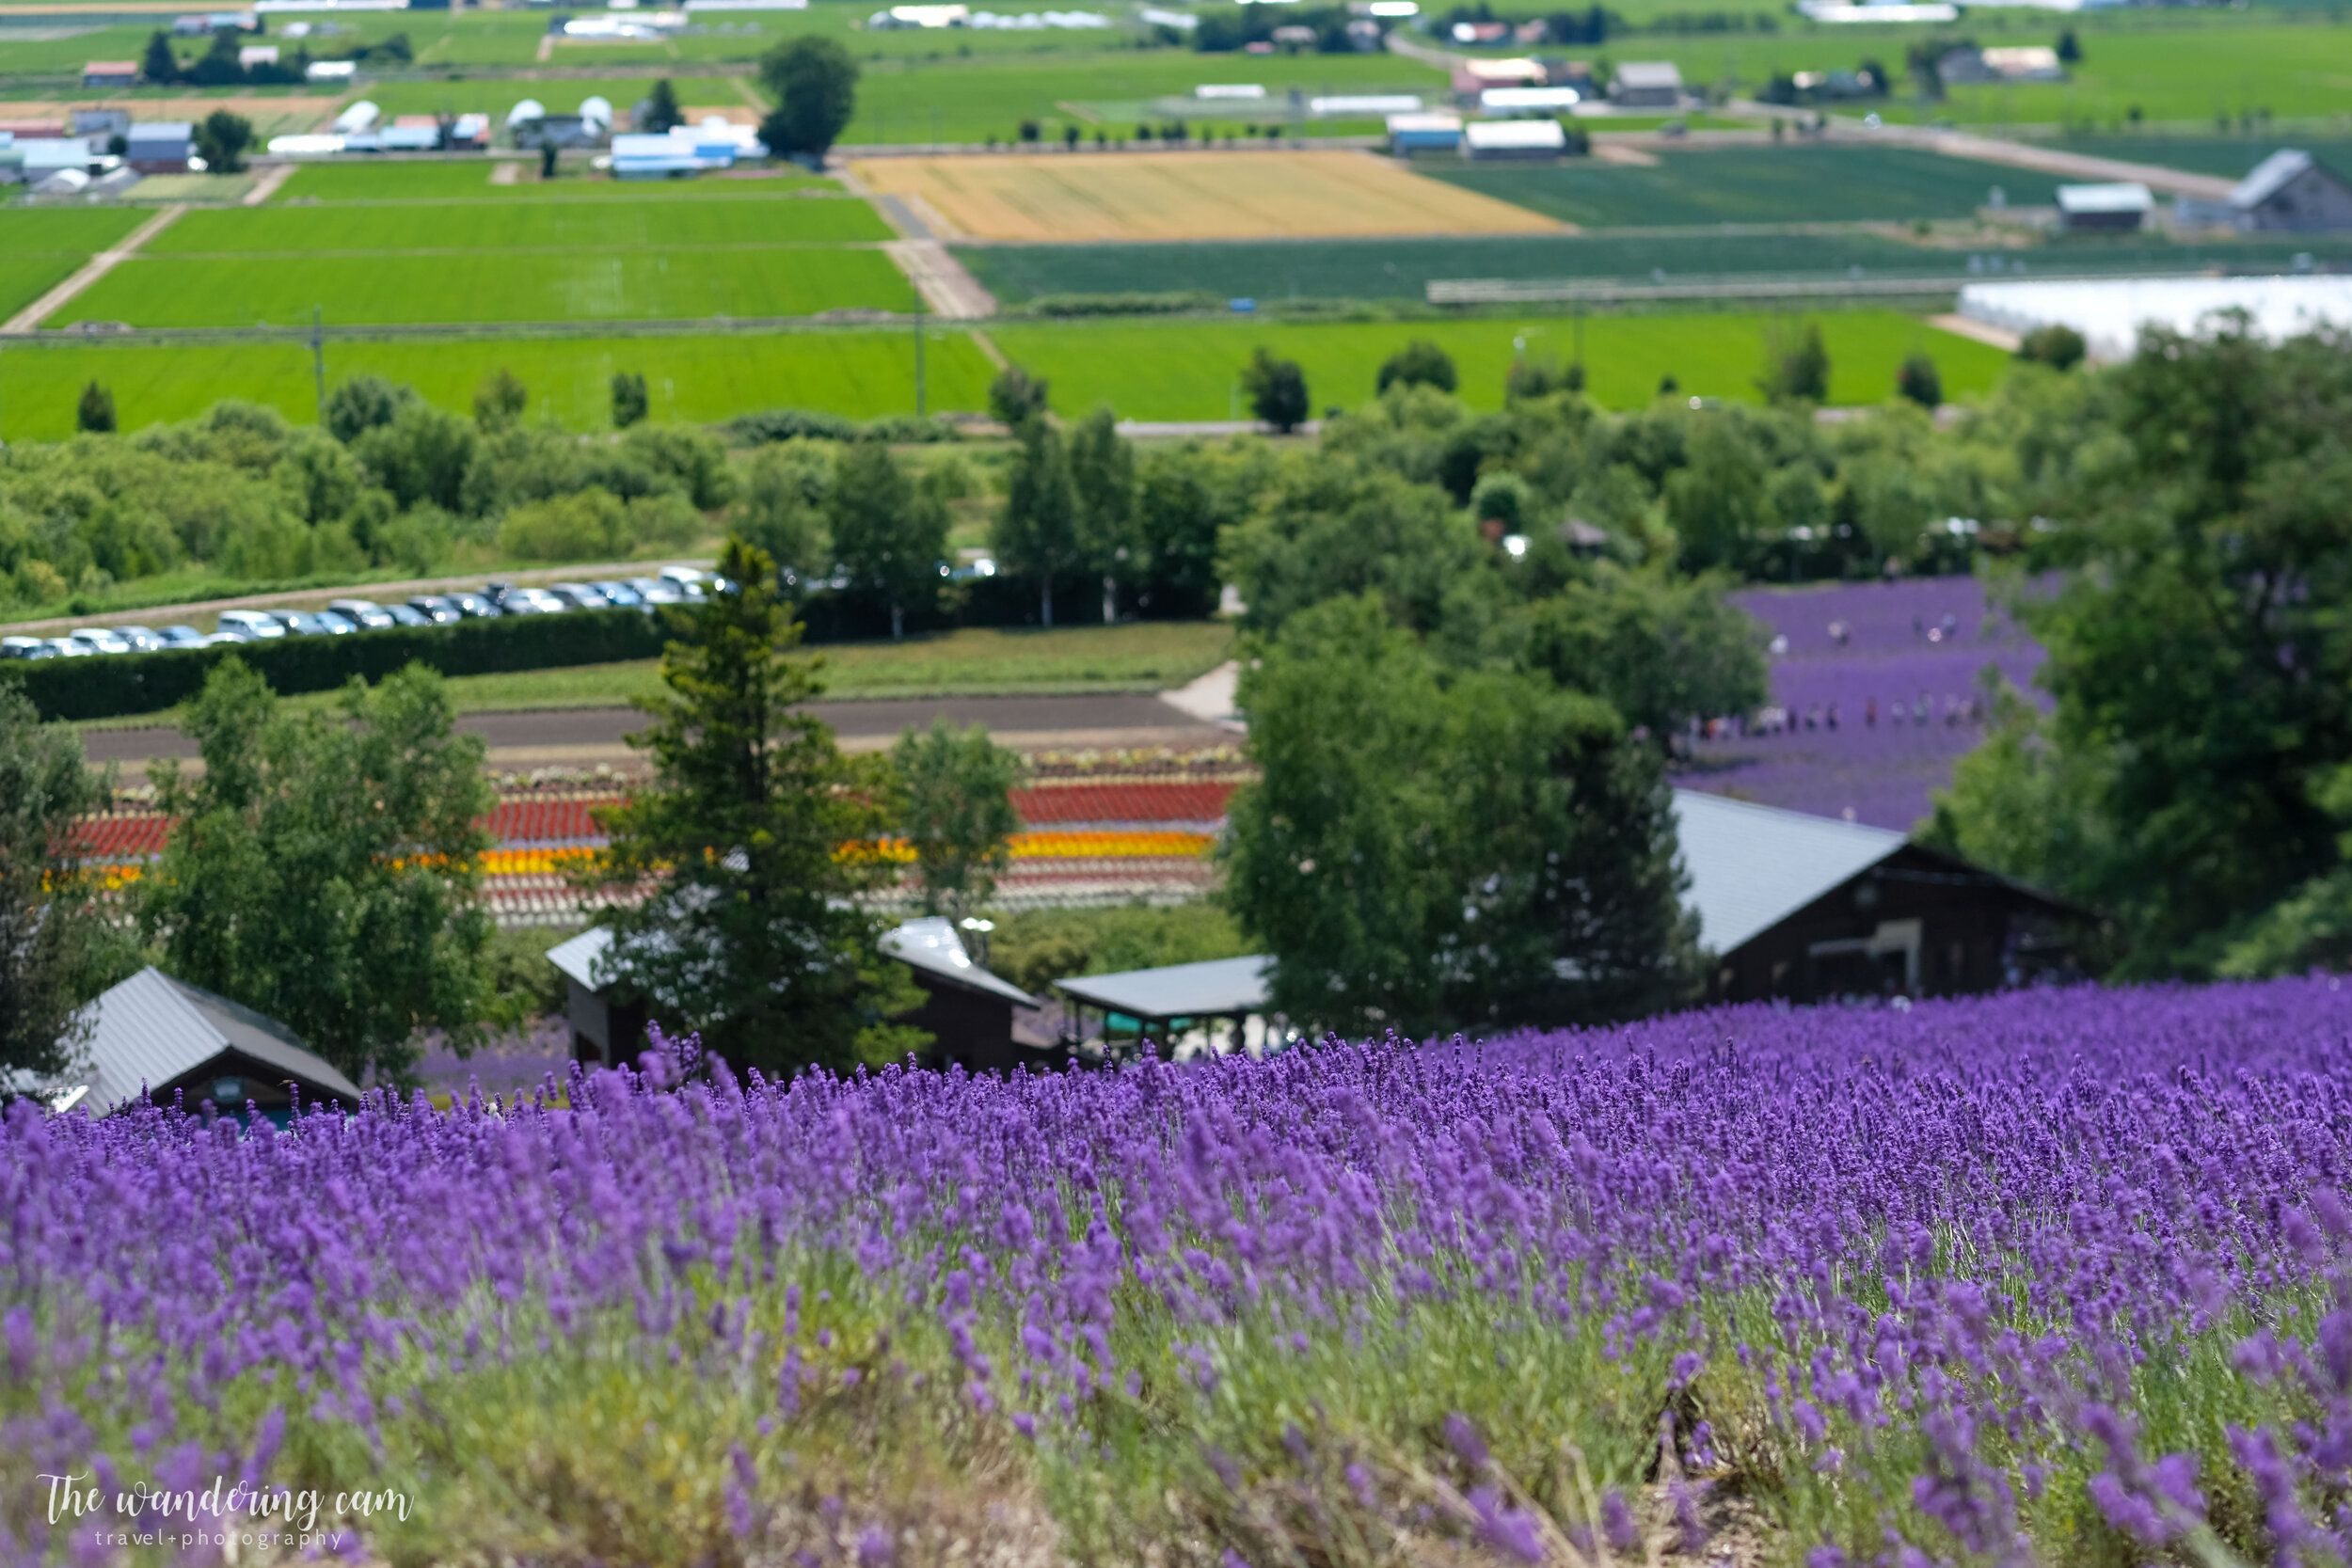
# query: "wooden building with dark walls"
[[1810, 909], [966, 1011]]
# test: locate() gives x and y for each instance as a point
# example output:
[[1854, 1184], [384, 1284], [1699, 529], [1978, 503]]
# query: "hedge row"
[[105, 688]]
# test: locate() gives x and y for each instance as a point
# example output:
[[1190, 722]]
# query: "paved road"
[[588, 735]]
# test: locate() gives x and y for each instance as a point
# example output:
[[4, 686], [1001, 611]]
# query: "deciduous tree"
[[53, 933], [814, 82], [957, 813], [888, 534]]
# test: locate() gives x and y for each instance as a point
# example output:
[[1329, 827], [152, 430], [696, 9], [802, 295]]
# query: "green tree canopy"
[[1419, 363], [2189, 779], [325, 867], [662, 114], [957, 813], [54, 938], [95, 413], [1103, 485], [1277, 389], [888, 534], [1036, 527], [1434, 847], [750, 847], [814, 82]]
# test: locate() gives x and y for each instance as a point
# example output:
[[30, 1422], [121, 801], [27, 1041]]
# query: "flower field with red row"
[[2051, 1277]]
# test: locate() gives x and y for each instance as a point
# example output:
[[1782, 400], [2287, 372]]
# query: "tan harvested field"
[[1044, 198]]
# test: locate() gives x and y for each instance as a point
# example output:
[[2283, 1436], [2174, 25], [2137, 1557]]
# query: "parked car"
[[301, 623], [224, 640], [578, 595], [182, 637], [405, 616], [100, 640], [253, 625], [142, 638], [437, 610], [336, 626], [473, 606], [656, 591], [65, 647], [26, 647], [366, 614], [682, 576], [620, 594], [532, 601]]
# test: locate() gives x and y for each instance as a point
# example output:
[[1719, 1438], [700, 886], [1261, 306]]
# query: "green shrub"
[[588, 525]]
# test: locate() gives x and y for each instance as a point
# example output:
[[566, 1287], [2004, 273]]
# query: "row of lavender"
[[2050, 1276], [1853, 664]]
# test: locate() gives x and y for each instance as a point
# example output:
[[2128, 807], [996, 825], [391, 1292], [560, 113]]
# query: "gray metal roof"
[[930, 945], [159, 129], [1217, 988], [1648, 73], [153, 1029], [2271, 176], [581, 957], [1753, 866]]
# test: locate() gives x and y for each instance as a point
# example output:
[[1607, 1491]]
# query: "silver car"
[[366, 614], [102, 639], [254, 626]]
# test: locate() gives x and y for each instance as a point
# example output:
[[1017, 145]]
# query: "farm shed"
[[256, 54], [1808, 908], [2109, 207], [1647, 85], [2294, 192], [111, 73], [967, 1010], [1426, 133], [155, 1037], [160, 146], [1529, 101], [1495, 140]]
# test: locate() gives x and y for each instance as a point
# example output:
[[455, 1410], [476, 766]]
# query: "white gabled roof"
[[1514, 135], [151, 1030], [1753, 866], [581, 957], [2269, 176], [930, 945], [2121, 196], [1219, 988], [1650, 74]]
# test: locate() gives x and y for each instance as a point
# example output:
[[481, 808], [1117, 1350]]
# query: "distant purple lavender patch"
[[1929, 639]]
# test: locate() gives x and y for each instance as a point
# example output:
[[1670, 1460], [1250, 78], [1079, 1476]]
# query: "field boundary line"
[[1983, 332], [987, 346], [272, 178], [97, 267]]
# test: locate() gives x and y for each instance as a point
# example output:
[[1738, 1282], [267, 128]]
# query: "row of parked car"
[[345, 617]]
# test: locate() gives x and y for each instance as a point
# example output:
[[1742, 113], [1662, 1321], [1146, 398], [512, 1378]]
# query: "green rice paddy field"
[[477, 227], [1160, 371], [641, 285], [39, 248], [2227, 157], [467, 178], [1191, 369], [1792, 183], [700, 379]]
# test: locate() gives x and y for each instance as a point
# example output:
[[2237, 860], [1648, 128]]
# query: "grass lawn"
[[2227, 157], [476, 227], [704, 379], [1753, 184], [468, 180], [1188, 370], [1148, 655], [634, 286], [1273, 270]]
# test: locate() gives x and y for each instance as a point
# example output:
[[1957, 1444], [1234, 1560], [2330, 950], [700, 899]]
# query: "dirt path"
[[267, 185], [2042, 160], [941, 279], [1983, 332], [95, 268]]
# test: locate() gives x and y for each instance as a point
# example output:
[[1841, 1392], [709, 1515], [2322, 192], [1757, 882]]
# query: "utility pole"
[[918, 354], [318, 361]]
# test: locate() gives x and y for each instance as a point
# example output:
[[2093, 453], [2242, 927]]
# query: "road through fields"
[[586, 736]]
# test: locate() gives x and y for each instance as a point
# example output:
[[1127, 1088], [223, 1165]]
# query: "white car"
[[102, 639], [250, 626]]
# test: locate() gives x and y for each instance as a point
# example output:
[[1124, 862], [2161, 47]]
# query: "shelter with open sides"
[[1163, 1005], [154, 1038]]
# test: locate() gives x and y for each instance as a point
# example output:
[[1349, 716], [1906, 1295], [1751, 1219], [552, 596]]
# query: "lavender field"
[[2053, 1277], [1928, 638]]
